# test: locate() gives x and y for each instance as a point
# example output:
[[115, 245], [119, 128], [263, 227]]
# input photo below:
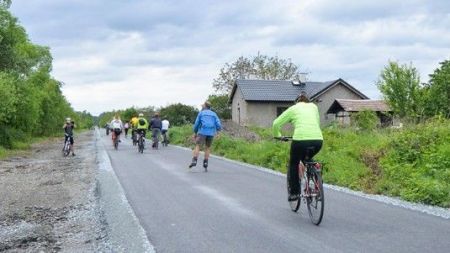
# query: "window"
[[280, 110]]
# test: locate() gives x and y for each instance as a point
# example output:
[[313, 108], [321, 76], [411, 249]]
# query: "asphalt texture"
[[235, 208]]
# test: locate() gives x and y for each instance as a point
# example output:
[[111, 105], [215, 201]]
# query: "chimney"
[[303, 77], [301, 80]]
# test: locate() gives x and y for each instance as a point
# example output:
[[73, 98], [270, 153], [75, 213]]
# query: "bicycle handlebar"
[[283, 138]]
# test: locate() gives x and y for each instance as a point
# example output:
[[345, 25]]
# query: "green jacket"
[[306, 120], [139, 126]]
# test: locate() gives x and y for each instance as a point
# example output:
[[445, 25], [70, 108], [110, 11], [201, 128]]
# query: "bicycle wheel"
[[66, 149], [315, 196], [116, 143], [141, 145], [295, 205]]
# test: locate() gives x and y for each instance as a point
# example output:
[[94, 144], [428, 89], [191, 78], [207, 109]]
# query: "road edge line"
[[431, 210], [120, 239]]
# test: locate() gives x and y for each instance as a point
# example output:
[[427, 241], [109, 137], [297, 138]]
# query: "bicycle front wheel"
[[315, 197]]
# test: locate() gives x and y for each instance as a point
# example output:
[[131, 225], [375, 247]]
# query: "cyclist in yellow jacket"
[[305, 117]]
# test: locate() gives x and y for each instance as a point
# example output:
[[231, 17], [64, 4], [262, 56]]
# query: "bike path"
[[234, 208]]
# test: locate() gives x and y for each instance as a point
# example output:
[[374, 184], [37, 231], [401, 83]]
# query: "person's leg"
[[294, 186], [199, 141], [72, 146], [208, 142]]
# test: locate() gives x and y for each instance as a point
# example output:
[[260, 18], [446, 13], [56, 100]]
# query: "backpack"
[[141, 122]]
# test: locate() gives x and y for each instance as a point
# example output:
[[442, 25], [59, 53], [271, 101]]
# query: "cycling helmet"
[[141, 115], [68, 119]]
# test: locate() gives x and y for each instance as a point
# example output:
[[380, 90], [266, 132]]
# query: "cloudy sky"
[[113, 54]]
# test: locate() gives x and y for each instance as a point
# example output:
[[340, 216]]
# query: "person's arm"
[[284, 118], [197, 123], [218, 124], [318, 115]]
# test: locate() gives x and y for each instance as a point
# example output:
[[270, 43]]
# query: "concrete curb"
[[432, 210], [125, 232]]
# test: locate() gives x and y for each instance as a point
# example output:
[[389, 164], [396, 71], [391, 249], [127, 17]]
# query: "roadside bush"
[[365, 120]]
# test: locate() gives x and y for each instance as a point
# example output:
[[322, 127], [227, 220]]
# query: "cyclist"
[[164, 128], [141, 125], [68, 133], [126, 127], [116, 126], [133, 123], [155, 125], [305, 118], [206, 126]]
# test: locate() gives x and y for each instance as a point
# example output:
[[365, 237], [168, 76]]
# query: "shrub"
[[365, 120]]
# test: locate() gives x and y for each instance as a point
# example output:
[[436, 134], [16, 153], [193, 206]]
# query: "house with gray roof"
[[259, 102]]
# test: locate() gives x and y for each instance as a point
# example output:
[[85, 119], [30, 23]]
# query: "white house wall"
[[263, 113], [239, 104]]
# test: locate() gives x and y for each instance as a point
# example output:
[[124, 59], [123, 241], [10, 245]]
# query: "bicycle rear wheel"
[[141, 145], [315, 200], [295, 205], [116, 143]]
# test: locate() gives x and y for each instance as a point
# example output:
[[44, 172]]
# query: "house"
[[259, 102], [343, 109]]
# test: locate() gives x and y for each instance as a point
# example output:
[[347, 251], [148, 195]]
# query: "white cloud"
[[114, 54]]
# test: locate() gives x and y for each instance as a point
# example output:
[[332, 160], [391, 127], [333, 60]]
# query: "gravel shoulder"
[[50, 203]]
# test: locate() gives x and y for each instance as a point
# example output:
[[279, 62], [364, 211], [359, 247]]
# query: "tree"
[[400, 86], [219, 104], [260, 66], [179, 114], [437, 91], [5, 4]]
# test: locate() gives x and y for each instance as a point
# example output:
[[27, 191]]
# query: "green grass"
[[412, 163]]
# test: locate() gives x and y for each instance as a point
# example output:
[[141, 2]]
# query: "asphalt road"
[[234, 208]]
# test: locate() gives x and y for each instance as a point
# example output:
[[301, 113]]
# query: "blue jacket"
[[207, 123]]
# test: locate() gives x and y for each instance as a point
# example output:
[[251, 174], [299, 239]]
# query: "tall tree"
[[179, 114], [400, 86], [219, 104], [260, 66], [438, 91]]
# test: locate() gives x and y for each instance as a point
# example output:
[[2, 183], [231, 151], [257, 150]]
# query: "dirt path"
[[49, 202]]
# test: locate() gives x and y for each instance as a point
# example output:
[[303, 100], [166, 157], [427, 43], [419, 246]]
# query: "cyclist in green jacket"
[[305, 118], [142, 125]]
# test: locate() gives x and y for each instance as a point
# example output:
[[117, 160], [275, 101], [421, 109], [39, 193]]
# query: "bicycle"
[[155, 137], [140, 143], [165, 141], [311, 191], [66, 149], [116, 138], [134, 137]]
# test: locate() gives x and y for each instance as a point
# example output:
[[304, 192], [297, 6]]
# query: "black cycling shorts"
[[68, 137]]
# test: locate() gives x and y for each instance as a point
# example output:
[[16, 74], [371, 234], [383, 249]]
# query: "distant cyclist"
[[141, 125], [164, 128], [156, 125], [117, 127], [126, 127], [68, 133], [205, 128], [133, 125], [305, 118]]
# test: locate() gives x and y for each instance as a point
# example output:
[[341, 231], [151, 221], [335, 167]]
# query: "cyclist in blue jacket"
[[206, 126]]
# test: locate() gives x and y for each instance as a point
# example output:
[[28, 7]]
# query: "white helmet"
[[68, 119], [141, 115]]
